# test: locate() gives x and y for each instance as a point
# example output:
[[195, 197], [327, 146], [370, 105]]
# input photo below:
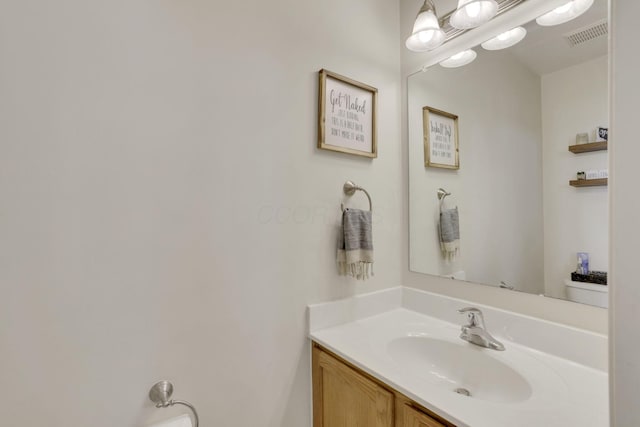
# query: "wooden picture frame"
[[347, 112], [440, 139]]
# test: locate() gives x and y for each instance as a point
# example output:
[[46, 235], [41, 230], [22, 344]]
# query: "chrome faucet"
[[475, 332]]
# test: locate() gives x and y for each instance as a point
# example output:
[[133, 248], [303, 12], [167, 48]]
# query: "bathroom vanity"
[[394, 358], [343, 392]]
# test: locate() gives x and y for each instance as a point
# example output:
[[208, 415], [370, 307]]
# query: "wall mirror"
[[521, 223]]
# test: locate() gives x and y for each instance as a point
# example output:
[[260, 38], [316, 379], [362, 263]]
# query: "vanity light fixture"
[[472, 13], [564, 13], [459, 59], [426, 34], [506, 39]]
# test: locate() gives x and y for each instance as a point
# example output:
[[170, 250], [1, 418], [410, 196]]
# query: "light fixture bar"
[[473, 13], [451, 32]]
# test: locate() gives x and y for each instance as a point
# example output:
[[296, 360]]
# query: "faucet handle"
[[474, 315]]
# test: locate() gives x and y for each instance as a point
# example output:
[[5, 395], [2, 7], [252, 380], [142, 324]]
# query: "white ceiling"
[[544, 49]]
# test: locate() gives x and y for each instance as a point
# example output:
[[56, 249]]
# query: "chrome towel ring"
[[350, 188], [160, 394], [442, 193]]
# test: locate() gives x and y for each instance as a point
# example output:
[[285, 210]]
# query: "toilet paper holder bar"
[[160, 394]]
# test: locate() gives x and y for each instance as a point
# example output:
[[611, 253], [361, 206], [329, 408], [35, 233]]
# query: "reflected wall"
[[498, 188]]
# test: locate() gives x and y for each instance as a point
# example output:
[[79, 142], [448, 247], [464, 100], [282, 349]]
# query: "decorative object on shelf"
[[506, 39], [582, 138], [597, 173], [473, 13], [589, 146], [564, 13], [440, 139], [602, 134], [347, 115], [583, 263], [459, 59], [581, 175], [591, 174], [598, 277], [426, 34]]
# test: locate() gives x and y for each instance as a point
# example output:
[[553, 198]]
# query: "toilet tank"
[[587, 293]]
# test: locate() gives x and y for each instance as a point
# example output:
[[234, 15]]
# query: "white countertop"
[[564, 393]]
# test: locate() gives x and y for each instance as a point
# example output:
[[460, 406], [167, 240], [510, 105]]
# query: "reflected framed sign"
[[440, 139]]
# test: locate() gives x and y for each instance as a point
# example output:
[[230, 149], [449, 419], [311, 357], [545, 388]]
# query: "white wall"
[[574, 100], [164, 212], [625, 233], [498, 188]]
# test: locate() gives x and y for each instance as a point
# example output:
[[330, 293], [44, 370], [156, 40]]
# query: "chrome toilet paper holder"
[[160, 394]]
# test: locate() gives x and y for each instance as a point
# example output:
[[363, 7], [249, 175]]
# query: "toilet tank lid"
[[587, 286]]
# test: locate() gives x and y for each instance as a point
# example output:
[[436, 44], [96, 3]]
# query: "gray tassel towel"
[[355, 245], [449, 230]]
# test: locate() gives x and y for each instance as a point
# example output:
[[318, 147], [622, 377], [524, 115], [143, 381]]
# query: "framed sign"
[[347, 115], [440, 139]]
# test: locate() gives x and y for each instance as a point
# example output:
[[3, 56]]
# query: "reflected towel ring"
[[442, 193], [350, 188]]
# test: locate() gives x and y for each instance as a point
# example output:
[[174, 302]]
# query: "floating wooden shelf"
[[591, 146], [589, 182]]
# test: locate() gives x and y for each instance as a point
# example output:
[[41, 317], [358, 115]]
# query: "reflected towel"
[[449, 230], [355, 245]]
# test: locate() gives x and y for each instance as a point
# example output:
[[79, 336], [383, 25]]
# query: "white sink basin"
[[459, 368], [422, 357]]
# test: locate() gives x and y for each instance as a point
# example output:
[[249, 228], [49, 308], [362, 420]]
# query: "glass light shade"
[[472, 13], [458, 60], [506, 39], [564, 13], [427, 34]]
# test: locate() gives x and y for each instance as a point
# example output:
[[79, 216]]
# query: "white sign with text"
[[348, 116]]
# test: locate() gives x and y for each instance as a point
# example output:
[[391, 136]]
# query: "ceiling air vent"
[[590, 32]]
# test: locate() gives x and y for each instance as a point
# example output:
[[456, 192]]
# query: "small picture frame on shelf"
[[602, 134]]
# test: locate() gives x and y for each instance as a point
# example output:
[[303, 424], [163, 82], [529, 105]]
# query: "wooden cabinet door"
[[412, 417], [343, 397]]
